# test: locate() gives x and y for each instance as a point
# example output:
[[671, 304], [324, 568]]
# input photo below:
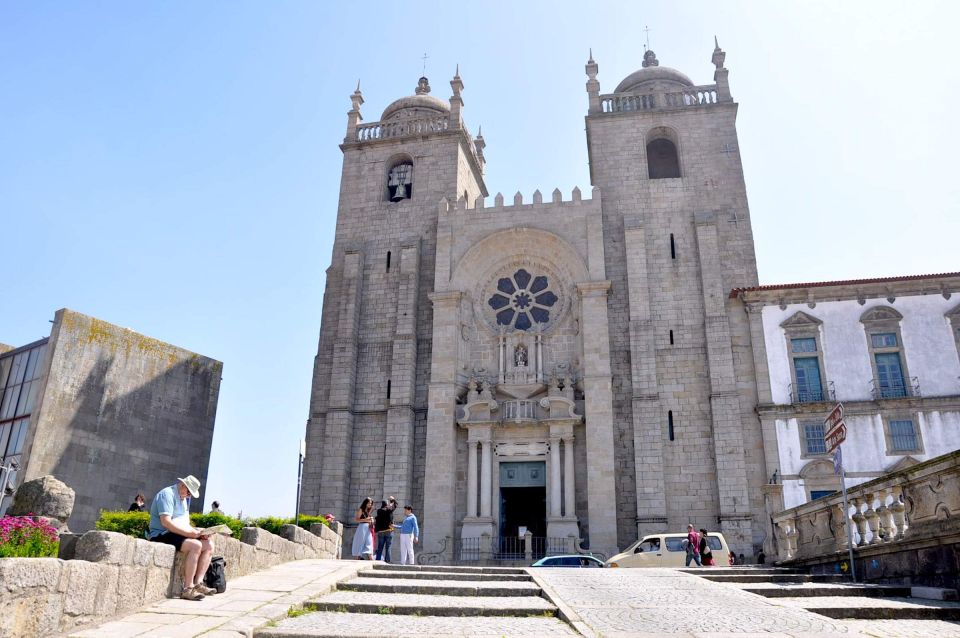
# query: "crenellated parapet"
[[516, 204]]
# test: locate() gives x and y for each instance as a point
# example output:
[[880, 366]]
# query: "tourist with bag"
[[706, 552]]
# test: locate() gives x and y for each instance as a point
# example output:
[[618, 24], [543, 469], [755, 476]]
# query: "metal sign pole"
[[299, 473], [846, 514]]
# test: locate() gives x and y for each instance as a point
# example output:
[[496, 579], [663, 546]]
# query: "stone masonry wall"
[[105, 574], [120, 413]]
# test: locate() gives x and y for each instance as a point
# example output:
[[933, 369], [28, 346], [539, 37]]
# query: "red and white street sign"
[[834, 418], [835, 437]]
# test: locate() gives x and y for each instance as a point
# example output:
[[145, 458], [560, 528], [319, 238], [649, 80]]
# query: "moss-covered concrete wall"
[[120, 413]]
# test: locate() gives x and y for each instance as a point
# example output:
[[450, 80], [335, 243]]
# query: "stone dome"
[[421, 103], [652, 75]]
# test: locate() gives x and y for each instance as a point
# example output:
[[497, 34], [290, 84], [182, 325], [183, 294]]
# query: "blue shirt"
[[410, 526], [167, 501]]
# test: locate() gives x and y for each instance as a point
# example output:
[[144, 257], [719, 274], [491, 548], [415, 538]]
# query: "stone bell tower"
[[369, 393], [664, 153]]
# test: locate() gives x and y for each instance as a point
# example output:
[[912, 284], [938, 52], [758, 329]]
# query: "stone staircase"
[[434, 601], [834, 596]]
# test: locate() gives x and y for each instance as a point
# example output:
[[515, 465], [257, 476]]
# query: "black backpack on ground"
[[216, 576]]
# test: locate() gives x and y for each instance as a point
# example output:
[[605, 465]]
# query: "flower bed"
[[27, 537]]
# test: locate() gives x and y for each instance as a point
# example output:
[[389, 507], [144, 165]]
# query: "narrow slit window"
[[673, 247], [388, 261], [671, 337], [670, 424], [388, 388]]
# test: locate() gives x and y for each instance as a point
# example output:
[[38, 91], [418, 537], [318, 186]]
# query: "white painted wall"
[[928, 346], [930, 353]]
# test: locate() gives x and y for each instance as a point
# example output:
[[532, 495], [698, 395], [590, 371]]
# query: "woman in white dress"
[[363, 536]]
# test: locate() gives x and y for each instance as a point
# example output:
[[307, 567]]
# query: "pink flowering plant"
[[23, 536]]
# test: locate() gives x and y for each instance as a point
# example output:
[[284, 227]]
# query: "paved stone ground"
[[250, 601], [347, 625]]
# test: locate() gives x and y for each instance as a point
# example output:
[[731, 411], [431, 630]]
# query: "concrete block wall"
[[120, 413], [105, 574]]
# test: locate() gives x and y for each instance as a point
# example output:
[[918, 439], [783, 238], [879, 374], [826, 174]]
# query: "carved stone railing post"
[[899, 512], [788, 532], [528, 546], [870, 515], [883, 516], [860, 521], [840, 522], [485, 548]]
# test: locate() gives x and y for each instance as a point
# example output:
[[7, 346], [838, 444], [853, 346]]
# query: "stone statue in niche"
[[553, 386], [485, 393], [520, 356], [472, 394]]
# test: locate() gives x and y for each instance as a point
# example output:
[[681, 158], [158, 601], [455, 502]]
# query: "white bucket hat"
[[192, 484]]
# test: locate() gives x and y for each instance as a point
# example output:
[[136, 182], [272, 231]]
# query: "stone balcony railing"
[[659, 101], [401, 128], [915, 504]]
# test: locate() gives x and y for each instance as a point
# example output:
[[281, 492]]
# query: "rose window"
[[522, 299]]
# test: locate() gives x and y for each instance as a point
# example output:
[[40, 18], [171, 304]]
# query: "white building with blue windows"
[[888, 349]]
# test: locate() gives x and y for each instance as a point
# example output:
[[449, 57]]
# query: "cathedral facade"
[[572, 365]]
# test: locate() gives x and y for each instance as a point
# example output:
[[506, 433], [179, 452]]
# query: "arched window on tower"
[[400, 181], [662, 160]]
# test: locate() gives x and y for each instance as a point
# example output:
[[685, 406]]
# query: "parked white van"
[[668, 550]]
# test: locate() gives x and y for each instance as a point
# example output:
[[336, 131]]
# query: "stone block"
[[163, 555], [34, 615], [18, 575], [80, 584], [252, 536], [68, 546], [143, 552], [108, 589], [934, 593], [44, 496], [248, 559], [157, 583], [106, 547], [132, 587]]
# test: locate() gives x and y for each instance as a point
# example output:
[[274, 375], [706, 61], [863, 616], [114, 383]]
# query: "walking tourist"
[[138, 503], [170, 524], [693, 545], [363, 536], [706, 552], [383, 526], [409, 534]]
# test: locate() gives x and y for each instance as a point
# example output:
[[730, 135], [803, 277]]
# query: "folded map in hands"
[[216, 529]]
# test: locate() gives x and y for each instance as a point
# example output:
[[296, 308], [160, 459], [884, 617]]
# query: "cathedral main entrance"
[[523, 499]]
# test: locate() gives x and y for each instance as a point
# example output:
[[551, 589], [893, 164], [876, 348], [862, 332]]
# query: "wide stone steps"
[[449, 569], [428, 601], [809, 590], [419, 575], [433, 605], [440, 587], [870, 608], [772, 578], [349, 625]]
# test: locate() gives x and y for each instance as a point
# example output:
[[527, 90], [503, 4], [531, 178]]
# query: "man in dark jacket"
[[383, 526]]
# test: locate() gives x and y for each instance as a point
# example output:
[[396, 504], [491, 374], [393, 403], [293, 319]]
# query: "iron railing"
[[894, 388], [485, 550], [808, 394]]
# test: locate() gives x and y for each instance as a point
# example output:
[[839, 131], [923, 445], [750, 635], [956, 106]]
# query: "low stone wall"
[[104, 574]]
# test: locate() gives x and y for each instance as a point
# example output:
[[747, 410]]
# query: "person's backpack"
[[216, 576]]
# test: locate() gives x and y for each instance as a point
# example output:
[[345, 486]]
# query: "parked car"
[[570, 560], [666, 550]]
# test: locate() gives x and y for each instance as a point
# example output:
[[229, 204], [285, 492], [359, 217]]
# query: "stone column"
[[736, 519], [398, 455], [439, 487], [486, 473], [471, 479], [539, 355], [555, 501], [598, 408], [335, 485], [648, 414], [569, 483]]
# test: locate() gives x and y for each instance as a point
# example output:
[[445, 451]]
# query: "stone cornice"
[[594, 288], [888, 288], [866, 407]]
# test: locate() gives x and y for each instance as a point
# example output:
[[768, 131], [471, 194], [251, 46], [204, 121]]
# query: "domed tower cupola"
[[420, 104], [653, 77]]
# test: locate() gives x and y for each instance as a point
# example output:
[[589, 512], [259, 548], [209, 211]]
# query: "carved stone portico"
[[511, 430]]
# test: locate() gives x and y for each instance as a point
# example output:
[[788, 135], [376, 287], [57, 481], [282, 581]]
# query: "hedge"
[[136, 523]]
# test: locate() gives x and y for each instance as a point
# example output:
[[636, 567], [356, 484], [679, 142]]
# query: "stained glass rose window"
[[522, 300]]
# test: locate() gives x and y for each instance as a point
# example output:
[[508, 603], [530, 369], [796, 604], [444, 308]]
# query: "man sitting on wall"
[[170, 524]]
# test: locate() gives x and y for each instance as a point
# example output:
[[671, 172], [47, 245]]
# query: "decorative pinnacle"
[[357, 98], [456, 74], [423, 86], [590, 59], [480, 131], [718, 55], [650, 59]]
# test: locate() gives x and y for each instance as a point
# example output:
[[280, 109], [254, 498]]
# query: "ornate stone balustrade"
[[625, 102], [915, 504], [402, 128]]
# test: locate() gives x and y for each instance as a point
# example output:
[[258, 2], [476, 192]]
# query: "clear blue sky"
[[172, 167]]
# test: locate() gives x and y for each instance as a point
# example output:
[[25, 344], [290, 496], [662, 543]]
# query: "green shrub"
[[23, 537], [270, 523], [130, 523], [306, 521]]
